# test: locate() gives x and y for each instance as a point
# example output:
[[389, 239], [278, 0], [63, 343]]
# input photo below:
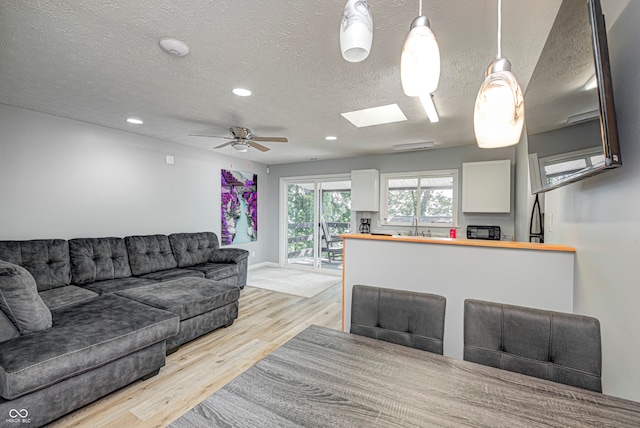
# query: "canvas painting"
[[239, 206]]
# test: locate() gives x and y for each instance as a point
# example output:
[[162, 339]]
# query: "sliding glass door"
[[316, 211]]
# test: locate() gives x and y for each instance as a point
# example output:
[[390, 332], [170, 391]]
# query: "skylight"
[[375, 116]]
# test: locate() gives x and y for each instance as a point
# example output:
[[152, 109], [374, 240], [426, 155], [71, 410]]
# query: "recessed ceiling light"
[[375, 116], [241, 92], [330, 138], [135, 121]]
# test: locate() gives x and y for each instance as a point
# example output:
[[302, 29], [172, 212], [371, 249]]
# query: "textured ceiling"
[[99, 62]]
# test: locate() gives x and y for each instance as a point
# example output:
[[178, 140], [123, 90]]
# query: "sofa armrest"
[[228, 255], [233, 255]]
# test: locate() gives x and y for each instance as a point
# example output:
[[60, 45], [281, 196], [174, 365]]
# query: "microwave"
[[483, 232]]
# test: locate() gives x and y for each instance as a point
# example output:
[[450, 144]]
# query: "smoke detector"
[[174, 47]]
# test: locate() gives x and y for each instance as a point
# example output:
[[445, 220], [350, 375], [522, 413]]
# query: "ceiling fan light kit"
[[420, 60], [240, 147], [356, 31], [499, 112], [243, 138]]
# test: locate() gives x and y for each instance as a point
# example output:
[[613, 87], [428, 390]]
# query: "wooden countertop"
[[465, 242]]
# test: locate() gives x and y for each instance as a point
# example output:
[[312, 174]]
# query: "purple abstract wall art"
[[239, 206]]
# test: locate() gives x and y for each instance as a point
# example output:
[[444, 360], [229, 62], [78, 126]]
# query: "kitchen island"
[[517, 273]]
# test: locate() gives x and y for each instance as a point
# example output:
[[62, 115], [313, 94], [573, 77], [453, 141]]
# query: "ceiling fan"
[[243, 138]]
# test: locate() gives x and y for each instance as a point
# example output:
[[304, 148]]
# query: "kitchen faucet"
[[414, 223]]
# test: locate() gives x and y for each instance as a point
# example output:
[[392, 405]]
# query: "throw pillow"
[[19, 299]]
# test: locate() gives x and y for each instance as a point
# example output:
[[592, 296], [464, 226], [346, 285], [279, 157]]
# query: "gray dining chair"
[[561, 347], [398, 316]]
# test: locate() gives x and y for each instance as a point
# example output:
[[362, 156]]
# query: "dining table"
[[327, 378]]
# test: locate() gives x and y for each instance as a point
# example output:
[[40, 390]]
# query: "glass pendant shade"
[[420, 61], [499, 114], [356, 31]]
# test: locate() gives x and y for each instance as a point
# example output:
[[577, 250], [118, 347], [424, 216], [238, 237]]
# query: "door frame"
[[283, 213]]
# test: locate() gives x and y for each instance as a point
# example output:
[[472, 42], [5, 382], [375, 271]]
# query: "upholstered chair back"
[[398, 316], [556, 346]]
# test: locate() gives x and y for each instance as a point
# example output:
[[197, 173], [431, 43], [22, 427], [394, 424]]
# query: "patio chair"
[[332, 245]]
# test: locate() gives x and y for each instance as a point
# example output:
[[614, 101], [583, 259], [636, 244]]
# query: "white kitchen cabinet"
[[365, 190], [486, 187]]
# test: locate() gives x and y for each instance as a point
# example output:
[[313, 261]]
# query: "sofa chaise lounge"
[[84, 317]]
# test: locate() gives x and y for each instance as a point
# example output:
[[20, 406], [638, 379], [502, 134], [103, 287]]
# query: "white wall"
[[600, 218], [66, 179], [414, 161]]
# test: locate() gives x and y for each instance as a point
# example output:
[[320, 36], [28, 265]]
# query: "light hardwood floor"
[[198, 369]]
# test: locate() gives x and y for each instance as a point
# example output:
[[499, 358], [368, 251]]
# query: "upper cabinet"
[[486, 187], [365, 190]]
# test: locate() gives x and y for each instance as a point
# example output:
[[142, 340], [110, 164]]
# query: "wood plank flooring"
[[200, 368]]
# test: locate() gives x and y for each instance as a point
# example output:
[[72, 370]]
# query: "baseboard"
[[300, 268], [262, 264]]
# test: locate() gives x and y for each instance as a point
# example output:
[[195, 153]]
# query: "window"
[[429, 196], [558, 168]]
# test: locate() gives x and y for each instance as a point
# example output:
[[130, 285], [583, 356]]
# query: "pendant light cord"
[[420, 9], [499, 28]]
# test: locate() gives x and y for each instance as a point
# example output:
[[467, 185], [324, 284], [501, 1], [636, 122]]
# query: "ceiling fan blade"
[[271, 139], [209, 136], [224, 145], [239, 131], [258, 146]]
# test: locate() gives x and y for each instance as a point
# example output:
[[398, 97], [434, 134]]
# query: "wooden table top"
[[327, 378]]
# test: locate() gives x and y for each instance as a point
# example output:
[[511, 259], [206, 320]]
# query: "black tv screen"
[[570, 114]]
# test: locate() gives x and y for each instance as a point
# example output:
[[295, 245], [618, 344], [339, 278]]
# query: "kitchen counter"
[[457, 241], [518, 273]]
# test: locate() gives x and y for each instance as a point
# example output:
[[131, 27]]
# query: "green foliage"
[[300, 207], [402, 202], [336, 207], [436, 203]]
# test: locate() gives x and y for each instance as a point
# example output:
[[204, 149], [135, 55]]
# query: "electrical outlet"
[[169, 160], [253, 254]]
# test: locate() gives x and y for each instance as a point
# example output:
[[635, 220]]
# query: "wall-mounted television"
[[570, 113]]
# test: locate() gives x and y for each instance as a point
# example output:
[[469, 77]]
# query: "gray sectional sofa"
[[84, 317]]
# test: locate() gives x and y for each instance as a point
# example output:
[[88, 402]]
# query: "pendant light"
[[499, 113], [420, 61], [356, 31]]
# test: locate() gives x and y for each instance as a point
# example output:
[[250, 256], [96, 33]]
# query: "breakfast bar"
[[518, 273]]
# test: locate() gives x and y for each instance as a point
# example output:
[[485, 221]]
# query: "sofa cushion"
[[149, 253], [192, 249], [19, 299], [98, 259], [65, 296], [169, 274], [84, 336], [185, 297], [217, 271], [115, 285], [46, 259], [7, 328]]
